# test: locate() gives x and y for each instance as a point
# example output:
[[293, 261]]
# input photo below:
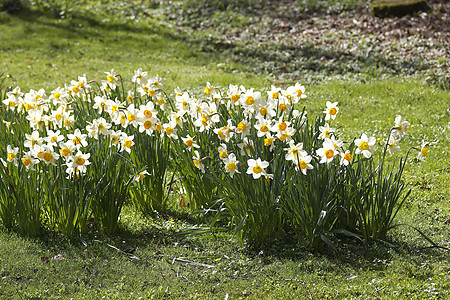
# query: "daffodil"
[[303, 163], [141, 175], [400, 126], [53, 137], [155, 83], [263, 126], [189, 142], [231, 164], [423, 152], [234, 93], [331, 110], [327, 152], [208, 88], [49, 156], [126, 142], [223, 151], [12, 154], [28, 160], [79, 161], [111, 78], [246, 146], [274, 93], [365, 145], [139, 77], [101, 103], [67, 149], [295, 151], [170, 129], [78, 138], [198, 161], [98, 126], [300, 89], [392, 145], [346, 158], [325, 131], [257, 168], [32, 140]]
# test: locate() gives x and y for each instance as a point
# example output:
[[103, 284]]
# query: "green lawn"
[[40, 51]]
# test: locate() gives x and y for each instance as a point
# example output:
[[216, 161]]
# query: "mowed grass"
[[42, 52]]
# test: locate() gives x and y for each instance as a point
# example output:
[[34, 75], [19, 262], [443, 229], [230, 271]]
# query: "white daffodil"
[[28, 160], [112, 78], [78, 138], [331, 110], [126, 142], [231, 164], [53, 137], [400, 126], [223, 151], [49, 156], [67, 149], [346, 158], [139, 77], [365, 145], [269, 141], [198, 161], [423, 151], [101, 103], [32, 140], [392, 145], [263, 126], [12, 154], [325, 131], [257, 168], [79, 161], [295, 151], [189, 141], [300, 89], [141, 175], [327, 152], [303, 163]]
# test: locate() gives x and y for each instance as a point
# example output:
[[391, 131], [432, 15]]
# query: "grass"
[[166, 264]]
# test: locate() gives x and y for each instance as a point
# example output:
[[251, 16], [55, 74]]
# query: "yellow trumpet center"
[[11, 156], [348, 156], [110, 79], [131, 117], [80, 161], [424, 151], [127, 144], [169, 130], [241, 126], [329, 153], [264, 128], [282, 126], [332, 111], [257, 169], [189, 143], [302, 165], [75, 89], [231, 166], [64, 151], [223, 154], [263, 111], [235, 97], [26, 161], [363, 145], [48, 156], [147, 124], [250, 100]]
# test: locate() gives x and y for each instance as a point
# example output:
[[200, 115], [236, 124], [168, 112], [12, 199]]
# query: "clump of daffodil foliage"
[[253, 159]]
